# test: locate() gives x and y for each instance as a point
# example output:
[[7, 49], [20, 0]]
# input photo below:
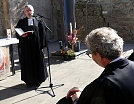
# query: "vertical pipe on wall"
[[62, 22], [69, 15]]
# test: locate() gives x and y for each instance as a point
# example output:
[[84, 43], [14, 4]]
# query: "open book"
[[21, 32]]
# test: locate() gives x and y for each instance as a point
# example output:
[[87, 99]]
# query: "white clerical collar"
[[117, 59]]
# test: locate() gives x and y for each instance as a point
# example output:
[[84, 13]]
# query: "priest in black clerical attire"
[[30, 47]]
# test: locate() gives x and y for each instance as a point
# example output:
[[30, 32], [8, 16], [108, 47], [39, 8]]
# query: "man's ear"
[[99, 56], [103, 61]]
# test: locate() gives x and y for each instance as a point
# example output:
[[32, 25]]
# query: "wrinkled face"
[[96, 59], [29, 12]]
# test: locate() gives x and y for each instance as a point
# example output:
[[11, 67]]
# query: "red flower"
[[69, 37], [72, 38]]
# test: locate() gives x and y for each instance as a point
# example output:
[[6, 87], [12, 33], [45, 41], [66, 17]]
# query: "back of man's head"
[[106, 42]]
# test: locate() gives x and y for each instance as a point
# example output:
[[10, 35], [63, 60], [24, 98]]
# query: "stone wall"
[[4, 18], [123, 20], [118, 14], [57, 18], [90, 16]]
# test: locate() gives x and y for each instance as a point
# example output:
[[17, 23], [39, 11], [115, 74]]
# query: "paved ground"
[[78, 72]]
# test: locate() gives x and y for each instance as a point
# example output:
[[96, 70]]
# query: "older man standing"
[[33, 66], [115, 84]]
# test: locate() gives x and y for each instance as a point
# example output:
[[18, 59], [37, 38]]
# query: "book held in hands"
[[21, 32]]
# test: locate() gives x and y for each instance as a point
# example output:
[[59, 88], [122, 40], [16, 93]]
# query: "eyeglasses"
[[89, 54]]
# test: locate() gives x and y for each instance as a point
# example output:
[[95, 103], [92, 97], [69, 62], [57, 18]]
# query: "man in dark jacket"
[[115, 84]]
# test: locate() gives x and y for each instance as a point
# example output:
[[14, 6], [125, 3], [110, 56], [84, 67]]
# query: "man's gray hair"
[[105, 41], [30, 6]]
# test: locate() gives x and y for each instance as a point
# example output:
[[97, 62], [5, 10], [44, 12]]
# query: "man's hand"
[[27, 33], [74, 92], [24, 35], [76, 95]]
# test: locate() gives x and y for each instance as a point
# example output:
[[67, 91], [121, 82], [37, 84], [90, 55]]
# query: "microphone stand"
[[42, 17], [50, 81]]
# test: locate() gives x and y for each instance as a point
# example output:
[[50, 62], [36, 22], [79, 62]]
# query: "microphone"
[[42, 16], [42, 21], [34, 16]]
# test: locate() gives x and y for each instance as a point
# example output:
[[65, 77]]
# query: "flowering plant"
[[72, 38], [67, 51]]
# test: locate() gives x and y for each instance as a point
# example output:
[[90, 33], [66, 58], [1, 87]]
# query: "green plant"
[[68, 51]]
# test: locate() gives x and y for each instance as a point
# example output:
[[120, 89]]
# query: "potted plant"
[[68, 54]]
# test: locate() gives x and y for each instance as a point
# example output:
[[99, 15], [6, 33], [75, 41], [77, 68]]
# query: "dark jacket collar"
[[114, 65]]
